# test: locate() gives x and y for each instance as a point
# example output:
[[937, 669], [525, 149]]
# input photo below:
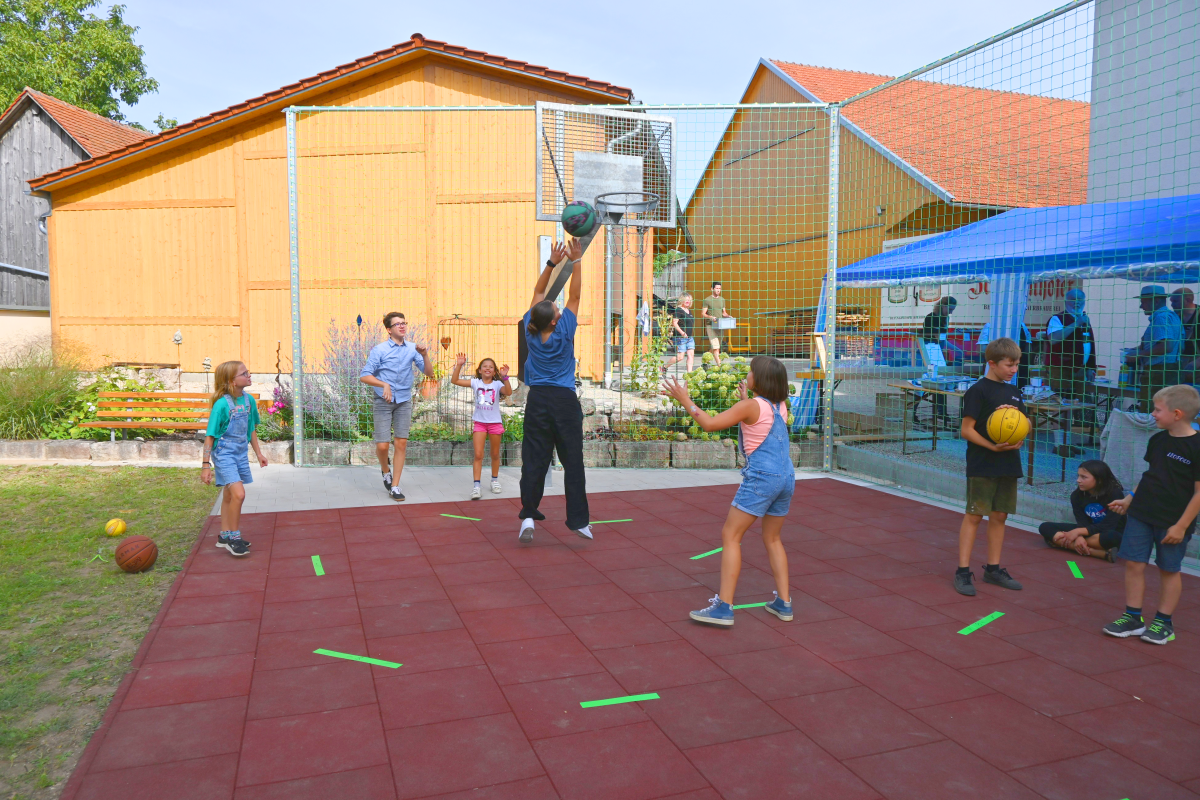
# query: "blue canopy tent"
[[1154, 240]]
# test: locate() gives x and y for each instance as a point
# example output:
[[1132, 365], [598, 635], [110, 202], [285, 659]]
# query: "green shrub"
[[66, 425], [38, 388]]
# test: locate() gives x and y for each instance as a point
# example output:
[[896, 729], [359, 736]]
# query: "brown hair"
[[391, 315], [495, 369], [770, 378], [223, 377], [1181, 397], [540, 317], [1000, 349]]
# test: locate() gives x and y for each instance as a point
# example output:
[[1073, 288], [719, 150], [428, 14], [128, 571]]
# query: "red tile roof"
[[982, 146], [415, 42], [97, 135]]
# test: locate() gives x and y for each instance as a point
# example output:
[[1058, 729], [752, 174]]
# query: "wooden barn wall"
[[429, 214], [31, 146]]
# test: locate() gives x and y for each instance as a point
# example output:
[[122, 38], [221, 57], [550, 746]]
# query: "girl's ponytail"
[[540, 317]]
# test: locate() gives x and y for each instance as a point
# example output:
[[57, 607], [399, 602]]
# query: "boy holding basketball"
[[1161, 515], [992, 469]]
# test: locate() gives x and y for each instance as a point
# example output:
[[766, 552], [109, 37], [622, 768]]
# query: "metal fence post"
[[831, 292], [297, 354]]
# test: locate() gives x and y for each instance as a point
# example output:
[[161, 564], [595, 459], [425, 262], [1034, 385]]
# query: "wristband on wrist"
[[550, 264]]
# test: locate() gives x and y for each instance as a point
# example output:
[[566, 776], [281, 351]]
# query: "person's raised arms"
[[745, 410], [557, 253], [575, 253], [505, 389], [459, 360]]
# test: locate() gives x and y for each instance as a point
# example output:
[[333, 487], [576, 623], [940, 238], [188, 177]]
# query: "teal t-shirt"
[[218, 420]]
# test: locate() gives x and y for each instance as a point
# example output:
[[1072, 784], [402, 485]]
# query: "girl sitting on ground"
[[1096, 531], [768, 481], [488, 386]]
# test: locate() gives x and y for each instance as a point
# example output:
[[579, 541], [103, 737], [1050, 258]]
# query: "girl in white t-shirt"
[[488, 386]]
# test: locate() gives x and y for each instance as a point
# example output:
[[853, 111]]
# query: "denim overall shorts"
[[231, 452], [769, 478]]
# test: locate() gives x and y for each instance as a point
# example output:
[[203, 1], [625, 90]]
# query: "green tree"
[[56, 47]]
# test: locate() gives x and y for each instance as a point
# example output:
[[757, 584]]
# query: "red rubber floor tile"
[[1146, 735], [307, 745], [207, 610], [946, 644], [1047, 687], [498, 594], [196, 779], [531, 789], [190, 681], [913, 679], [474, 572], [1103, 774], [784, 672], [842, 640], [635, 762], [663, 665], [505, 625], [1090, 653], [619, 629], [928, 590], [333, 564], [424, 652], [527, 660], [299, 615], [203, 641], [400, 620], [560, 575], [710, 713], [784, 765], [307, 548], [650, 579], [460, 755], [855, 722], [401, 590], [1005, 733], [546, 556], [330, 685], [439, 538], [222, 583], [673, 606], [746, 635], [939, 770], [171, 733], [827, 549], [295, 648], [461, 553], [440, 696], [830, 586], [911, 552], [876, 567], [1016, 620], [308, 587], [571, 601], [889, 613], [622, 558], [371, 783], [368, 551], [384, 569], [551, 708], [1166, 686]]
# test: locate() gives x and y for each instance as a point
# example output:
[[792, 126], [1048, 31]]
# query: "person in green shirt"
[[713, 309], [231, 424]]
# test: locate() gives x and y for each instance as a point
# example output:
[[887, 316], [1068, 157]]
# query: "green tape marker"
[[751, 605], [612, 701], [317, 568], [1074, 569], [606, 521], [709, 553], [456, 516], [352, 657], [974, 626]]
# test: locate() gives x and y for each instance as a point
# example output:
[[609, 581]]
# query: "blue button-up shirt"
[[393, 364], [1164, 326]]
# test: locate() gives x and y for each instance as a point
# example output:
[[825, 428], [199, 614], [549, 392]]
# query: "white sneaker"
[[496, 486], [585, 532], [475, 493], [526, 534]]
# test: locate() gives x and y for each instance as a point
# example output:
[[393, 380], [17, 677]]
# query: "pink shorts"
[[490, 428]]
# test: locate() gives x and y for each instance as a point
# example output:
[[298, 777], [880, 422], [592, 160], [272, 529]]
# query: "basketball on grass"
[[579, 219], [115, 527], [136, 554], [1007, 426]]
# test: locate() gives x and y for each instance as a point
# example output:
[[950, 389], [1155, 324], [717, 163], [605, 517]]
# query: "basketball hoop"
[[613, 206]]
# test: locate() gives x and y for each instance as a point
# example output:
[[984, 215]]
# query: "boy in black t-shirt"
[[992, 469], [1162, 514]]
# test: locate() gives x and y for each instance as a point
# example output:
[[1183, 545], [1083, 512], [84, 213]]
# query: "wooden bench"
[[179, 411]]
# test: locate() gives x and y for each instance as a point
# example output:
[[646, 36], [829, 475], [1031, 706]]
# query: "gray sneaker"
[[1002, 579], [964, 583], [1125, 626]]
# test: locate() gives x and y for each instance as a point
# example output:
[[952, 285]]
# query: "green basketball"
[[579, 219]]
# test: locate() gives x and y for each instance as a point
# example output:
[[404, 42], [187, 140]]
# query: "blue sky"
[[210, 55]]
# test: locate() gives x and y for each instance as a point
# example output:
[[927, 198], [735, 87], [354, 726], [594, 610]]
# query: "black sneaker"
[[1125, 626], [964, 583], [1001, 578], [387, 482], [225, 537], [237, 547], [1159, 632], [396, 493]]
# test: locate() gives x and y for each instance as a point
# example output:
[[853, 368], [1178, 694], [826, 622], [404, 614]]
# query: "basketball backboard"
[[584, 152]]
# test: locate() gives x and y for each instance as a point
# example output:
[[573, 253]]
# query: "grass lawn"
[[71, 624]]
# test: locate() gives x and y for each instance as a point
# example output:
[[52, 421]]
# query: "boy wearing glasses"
[[389, 370]]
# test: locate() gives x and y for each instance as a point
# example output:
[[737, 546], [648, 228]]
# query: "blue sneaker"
[[779, 608], [718, 613]]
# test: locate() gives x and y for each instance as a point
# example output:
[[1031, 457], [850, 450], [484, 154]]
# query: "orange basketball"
[[136, 554]]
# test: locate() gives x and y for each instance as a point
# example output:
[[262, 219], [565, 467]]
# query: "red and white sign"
[[905, 307]]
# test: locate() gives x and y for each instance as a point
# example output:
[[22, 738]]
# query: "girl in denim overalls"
[[768, 480], [231, 424]]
